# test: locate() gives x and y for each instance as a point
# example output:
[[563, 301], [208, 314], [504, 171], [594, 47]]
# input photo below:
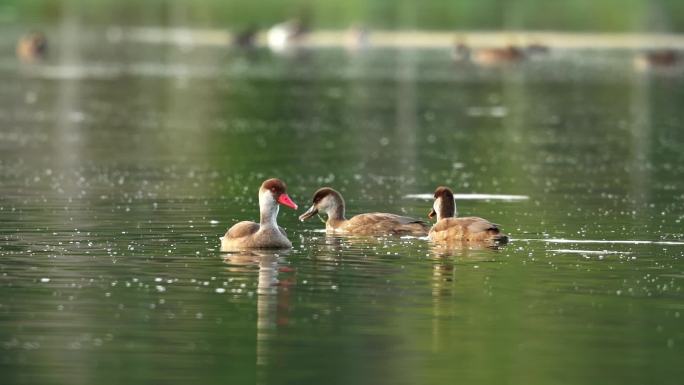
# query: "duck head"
[[275, 190], [444, 205], [271, 193], [328, 201]]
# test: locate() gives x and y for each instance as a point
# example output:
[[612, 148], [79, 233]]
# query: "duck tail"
[[498, 237], [501, 239]]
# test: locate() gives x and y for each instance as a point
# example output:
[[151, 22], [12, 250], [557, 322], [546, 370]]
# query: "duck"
[[32, 47], [332, 204], [246, 37], [494, 56], [466, 230], [281, 36], [266, 234], [658, 59]]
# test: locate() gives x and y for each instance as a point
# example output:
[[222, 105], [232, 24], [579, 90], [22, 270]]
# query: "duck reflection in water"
[[445, 283], [273, 294], [443, 291]]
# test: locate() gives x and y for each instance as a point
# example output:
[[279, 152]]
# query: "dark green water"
[[121, 163], [568, 15]]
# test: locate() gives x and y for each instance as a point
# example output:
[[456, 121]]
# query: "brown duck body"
[[378, 224], [251, 235], [332, 204], [464, 230], [662, 59], [493, 56]]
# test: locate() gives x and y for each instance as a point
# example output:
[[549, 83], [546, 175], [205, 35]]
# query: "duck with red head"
[[330, 202], [266, 234], [464, 230]]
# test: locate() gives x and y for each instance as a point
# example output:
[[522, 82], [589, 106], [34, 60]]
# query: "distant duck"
[[246, 37], [460, 230], [486, 56], [330, 202], [32, 47], [266, 234], [660, 59], [494, 56], [283, 35]]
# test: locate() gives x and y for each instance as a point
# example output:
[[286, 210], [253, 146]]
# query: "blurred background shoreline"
[[414, 38]]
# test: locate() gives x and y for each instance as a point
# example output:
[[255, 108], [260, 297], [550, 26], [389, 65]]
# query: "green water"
[[121, 163], [461, 15]]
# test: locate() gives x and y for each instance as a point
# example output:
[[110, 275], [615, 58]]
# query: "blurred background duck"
[[32, 47], [489, 56], [283, 35], [246, 37], [498, 55], [657, 59]]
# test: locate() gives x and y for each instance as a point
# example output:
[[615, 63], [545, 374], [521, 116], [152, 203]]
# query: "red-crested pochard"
[[266, 234], [331, 203], [450, 229]]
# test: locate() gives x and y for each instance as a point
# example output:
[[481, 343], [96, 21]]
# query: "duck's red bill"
[[284, 199]]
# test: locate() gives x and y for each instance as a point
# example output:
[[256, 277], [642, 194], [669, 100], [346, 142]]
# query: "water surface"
[[122, 162]]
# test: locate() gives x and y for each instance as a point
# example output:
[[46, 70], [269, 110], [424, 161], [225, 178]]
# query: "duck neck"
[[268, 210], [446, 207], [335, 211]]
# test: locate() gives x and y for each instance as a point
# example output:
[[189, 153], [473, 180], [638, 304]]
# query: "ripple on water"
[[502, 197]]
